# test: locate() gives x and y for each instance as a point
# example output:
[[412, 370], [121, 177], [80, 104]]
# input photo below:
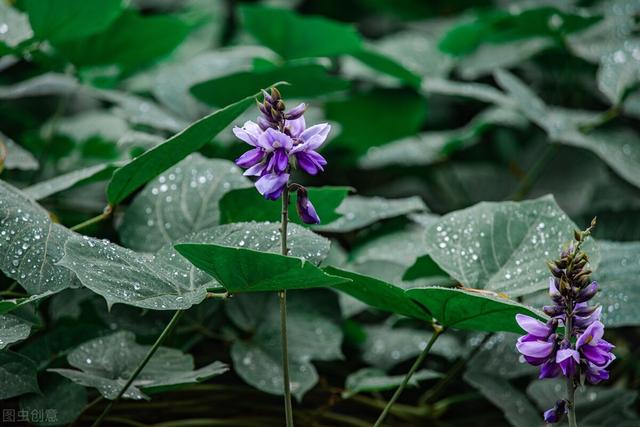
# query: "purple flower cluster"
[[281, 141], [579, 351]]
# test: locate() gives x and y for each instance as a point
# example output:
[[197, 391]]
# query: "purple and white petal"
[[272, 185], [250, 158], [533, 326]]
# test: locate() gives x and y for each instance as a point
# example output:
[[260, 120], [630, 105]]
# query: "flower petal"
[[272, 185], [315, 136], [250, 158], [533, 326], [249, 132]]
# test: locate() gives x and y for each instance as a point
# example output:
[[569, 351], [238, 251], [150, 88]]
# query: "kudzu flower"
[[282, 142], [578, 352]]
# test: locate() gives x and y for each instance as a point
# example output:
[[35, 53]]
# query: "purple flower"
[[305, 208], [556, 413], [567, 359], [593, 348], [307, 143], [272, 185]]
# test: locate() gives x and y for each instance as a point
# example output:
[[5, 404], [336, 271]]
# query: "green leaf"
[[359, 212], [504, 246], [376, 117], [12, 329], [17, 375], [7, 305], [246, 270], [378, 294], [233, 206], [17, 25], [47, 84], [181, 201], [296, 36], [314, 333], [563, 126], [386, 65], [76, 178], [306, 81], [130, 41], [61, 20], [478, 91], [31, 244], [372, 380], [62, 399], [430, 147], [618, 274], [151, 163], [471, 310], [387, 346], [15, 157], [106, 364]]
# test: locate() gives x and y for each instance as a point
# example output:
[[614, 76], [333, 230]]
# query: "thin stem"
[[534, 172], [288, 409], [104, 215], [407, 377], [163, 336]]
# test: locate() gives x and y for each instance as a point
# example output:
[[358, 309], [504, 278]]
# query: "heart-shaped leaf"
[[17, 375], [106, 364], [179, 202]]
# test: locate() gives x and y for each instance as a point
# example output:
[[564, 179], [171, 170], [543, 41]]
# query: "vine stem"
[[104, 215], [405, 380], [571, 388], [163, 336], [284, 220]]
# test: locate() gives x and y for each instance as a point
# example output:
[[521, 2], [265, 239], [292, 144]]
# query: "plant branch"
[[104, 215], [405, 381], [163, 336]]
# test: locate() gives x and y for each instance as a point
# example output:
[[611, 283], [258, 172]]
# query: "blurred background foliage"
[[453, 101]]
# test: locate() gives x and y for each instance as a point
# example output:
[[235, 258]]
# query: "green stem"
[[163, 336], [407, 377], [105, 214], [288, 409], [534, 173], [571, 388]]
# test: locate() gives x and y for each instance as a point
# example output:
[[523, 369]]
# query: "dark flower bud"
[[588, 292], [553, 267], [577, 234], [553, 310], [296, 112], [305, 208], [564, 288], [264, 123], [556, 413], [264, 108], [280, 105], [267, 97], [275, 94], [275, 114]]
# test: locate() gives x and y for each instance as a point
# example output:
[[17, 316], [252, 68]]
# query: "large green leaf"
[[233, 206], [247, 270], [31, 244], [614, 146], [106, 364], [296, 36], [504, 246], [313, 331], [69, 180], [12, 329], [180, 201], [386, 346], [150, 164], [359, 212], [378, 294], [132, 40], [17, 375], [61, 20], [372, 380], [306, 81], [474, 311], [619, 277], [61, 398]]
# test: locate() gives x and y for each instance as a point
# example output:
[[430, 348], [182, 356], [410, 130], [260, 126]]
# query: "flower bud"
[[553, 310], [556, 413], [553, 267], [280, 105], [296, 112], [275, 94], [588, 292], [305, 208]]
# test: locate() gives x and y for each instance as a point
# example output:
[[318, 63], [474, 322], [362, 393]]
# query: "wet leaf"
[[503, 246], [16, 156], [358, 212], [30, 244], [179, 202], [73, 179], [16, 24], [17, 375], [12, 330], [314, 333], [106, 364], [64, 397], [372, 380]]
